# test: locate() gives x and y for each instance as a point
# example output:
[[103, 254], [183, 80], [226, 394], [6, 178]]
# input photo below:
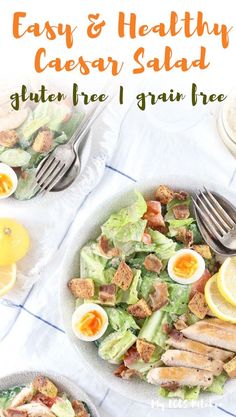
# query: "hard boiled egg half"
[[186, 266], [89, 322]]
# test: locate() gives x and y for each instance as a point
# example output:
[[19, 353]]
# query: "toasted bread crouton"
[[185, 236], [45, 386], [79, 409], [123, 276], [230, 367], [164, 194], [140, 309], [43, 141], [107, 294], [197, 305], [82, 287], [203, 250], [8, 138], [180, 324], [145, 349]]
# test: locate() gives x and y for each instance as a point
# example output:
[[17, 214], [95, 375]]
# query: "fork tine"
[[49, 172], [215, 212], [220, 208], [58, 178], [50, 179], [207, 223], [209, 215], [43, 168]]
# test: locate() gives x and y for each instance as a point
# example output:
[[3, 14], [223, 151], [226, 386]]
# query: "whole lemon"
[[14, 241]]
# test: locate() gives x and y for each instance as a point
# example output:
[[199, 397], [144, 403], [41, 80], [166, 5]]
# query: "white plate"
[[64, 385], [90, 228]]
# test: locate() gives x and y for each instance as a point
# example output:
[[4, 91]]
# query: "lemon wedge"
[[217, 304], [7, 278], [226, 280]]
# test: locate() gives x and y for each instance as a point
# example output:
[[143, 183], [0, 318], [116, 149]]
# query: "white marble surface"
[[150, 143]]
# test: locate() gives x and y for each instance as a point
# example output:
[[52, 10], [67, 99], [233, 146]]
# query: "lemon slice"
[[217, 304], [226, 280], [7, 278]]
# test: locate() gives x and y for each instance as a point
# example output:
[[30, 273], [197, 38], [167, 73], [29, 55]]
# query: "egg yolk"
[[91, 323], [185, 265], [5, 184]]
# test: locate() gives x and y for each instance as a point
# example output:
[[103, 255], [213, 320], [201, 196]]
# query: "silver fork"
[[54, 166], [219, 223]]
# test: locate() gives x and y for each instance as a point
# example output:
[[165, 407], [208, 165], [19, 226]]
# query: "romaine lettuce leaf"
[[164, 247], [91, 264], [152, 330], [114, 346], [148, 279], [119, 319], [217, 386], [178, 299], [115, 227], [184, 393]]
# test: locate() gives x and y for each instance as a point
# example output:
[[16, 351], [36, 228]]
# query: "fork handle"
[[82, 130]]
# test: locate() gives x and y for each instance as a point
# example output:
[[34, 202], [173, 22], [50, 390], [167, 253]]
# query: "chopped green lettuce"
[[185, 393], [130, 296], [197, 237], [148, 279], [153, 328], [178, 299], [63, 408], [164, 247], [217, 386], [91, 264], [24, 189], [119, 319], [114, 346], [15, 157], [115, 227]]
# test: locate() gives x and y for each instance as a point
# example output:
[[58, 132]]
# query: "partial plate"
[[64, 385], [89, 229]]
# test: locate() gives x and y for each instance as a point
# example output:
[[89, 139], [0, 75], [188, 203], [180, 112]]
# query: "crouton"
[[43, 141], [107, 294], [123, 276], [185, 236], [197, 305], [140, 309], [8, 138], [164, 194], [203, 250], [82, 288], [145, 349], [45, 386], [79, 409], [180, 324], [230, 367]]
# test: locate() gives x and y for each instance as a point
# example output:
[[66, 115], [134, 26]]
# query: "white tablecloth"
[[150, 143]]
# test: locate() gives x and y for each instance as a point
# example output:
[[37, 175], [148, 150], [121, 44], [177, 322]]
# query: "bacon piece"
[[159, 297], [166, 328], [43, 399], [131, 356], [176, 335], [106, 249], [125, 373], [153, 215], [107, 293], [181, 211], [199, 285], [152, 263], [146, 238], [181, 195]]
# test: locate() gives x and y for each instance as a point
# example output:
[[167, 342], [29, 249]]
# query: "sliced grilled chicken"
[[35, 410], [223, 325], [24, 396], [200, 348], [182, 376], [206, 332], [191, 360]]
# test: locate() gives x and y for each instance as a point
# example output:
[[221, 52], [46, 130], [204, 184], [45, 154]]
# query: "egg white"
[[80, 312], [7, 170], [197, 274]]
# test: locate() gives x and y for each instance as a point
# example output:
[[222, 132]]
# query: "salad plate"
[[11, 385], [89, 229]]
